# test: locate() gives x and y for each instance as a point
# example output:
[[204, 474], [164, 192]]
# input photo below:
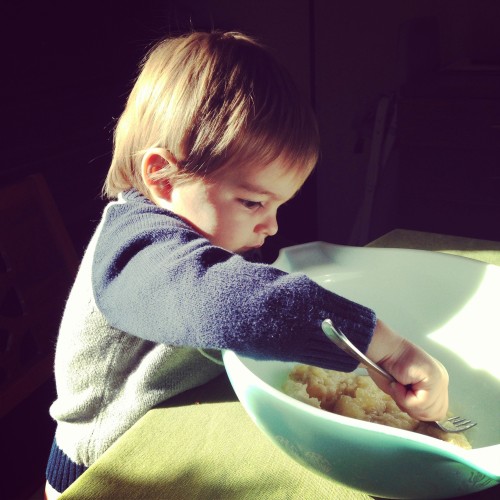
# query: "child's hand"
[[422, 388]]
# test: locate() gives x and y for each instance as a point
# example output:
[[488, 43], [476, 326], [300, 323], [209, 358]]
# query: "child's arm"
[[422, 390], [156, 278]]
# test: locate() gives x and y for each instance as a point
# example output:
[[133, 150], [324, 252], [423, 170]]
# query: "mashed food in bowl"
[[357, 396]]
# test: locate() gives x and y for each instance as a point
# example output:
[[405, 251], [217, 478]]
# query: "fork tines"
[[462, 422]]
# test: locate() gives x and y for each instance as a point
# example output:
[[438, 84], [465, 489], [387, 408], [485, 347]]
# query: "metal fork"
[[452, 424]]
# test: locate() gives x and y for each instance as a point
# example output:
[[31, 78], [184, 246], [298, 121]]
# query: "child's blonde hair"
[[212, 100]]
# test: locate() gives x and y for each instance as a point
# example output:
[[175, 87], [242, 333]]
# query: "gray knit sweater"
[[151, 291]]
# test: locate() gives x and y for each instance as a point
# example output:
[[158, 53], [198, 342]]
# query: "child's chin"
[[251, 254]]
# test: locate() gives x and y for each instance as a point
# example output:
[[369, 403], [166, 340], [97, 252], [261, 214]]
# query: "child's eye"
[[250, 204]]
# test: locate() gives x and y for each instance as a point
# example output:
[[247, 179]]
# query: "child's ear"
[[157, 167]]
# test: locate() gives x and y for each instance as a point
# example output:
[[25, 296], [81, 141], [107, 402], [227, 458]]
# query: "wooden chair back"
[[37, 266]]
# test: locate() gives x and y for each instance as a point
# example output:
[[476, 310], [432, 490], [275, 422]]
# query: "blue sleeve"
[[156, 278]]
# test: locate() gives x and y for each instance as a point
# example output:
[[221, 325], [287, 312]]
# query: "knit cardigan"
[[149, 294]]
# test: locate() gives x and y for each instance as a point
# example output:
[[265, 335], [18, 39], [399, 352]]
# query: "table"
[[203, 445]]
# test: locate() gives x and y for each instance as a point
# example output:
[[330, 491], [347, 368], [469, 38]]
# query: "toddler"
[[213, 140]]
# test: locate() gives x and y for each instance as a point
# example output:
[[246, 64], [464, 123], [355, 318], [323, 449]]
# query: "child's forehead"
[[276, 180]]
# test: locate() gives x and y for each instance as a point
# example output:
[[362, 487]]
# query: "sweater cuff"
[[61, 470], [357, 322]]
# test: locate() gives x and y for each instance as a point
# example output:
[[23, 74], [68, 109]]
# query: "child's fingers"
[[422, 404], [422, 387], [423, 398]]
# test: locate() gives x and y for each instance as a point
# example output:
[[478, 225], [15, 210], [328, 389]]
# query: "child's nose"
[[268, 226]]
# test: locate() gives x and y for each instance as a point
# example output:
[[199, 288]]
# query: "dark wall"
[[360, 58], [65, 71]]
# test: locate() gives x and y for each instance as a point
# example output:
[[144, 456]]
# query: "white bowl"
[[448, 305]]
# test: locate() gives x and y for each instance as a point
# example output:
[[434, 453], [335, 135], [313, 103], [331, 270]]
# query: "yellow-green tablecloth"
[[202, 444]]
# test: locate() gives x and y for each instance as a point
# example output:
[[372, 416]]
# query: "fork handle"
[[342, 342]]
